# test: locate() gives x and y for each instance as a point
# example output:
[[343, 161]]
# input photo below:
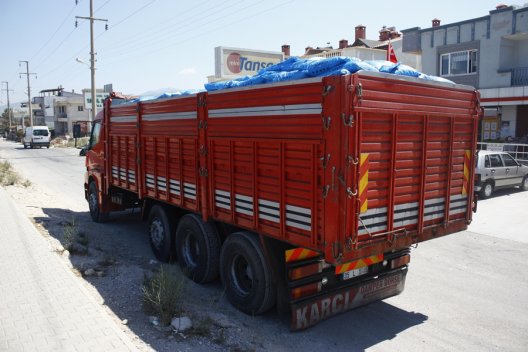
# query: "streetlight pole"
[[28, 90], [92, 59]]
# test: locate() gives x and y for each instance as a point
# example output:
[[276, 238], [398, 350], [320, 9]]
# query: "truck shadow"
[[119, 249]]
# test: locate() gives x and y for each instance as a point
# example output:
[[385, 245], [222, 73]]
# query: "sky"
[[154, 45]]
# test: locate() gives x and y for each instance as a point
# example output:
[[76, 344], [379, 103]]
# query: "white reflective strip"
[[371, 221], [268, 203], [374, 211], [189, 185], [162, 179], [269, 211], [243, 197], [223, 193], [129, 118], [185, 115], [406, 206], [434, 201], [433, 216], [458, 196], [275, 110], [362, 230], [457, 211], [150, 176], [243, 205], [174, 182], [300, 218], [190, 196], [298, 209], [161, 188], [269, 218], [405, 222], [406, 214], [433, 209], [299, 226], [222, 205], [460, 203], [244, 211]]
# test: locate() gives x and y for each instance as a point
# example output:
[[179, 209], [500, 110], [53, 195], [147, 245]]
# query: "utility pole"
[[92, 57], [28, 90], [7, 90]]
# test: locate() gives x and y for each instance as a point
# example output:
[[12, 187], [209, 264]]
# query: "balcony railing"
[[519, 77]]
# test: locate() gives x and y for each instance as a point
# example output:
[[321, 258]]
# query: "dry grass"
[[162, 293], [8, 176]]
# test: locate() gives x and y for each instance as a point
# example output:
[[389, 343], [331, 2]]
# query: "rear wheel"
[[160, 234], [524, 183], [198, 248], [94, 205], [487, 190], [246, 275]]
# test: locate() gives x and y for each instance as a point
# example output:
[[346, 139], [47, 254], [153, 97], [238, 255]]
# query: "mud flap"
[[311, 311]]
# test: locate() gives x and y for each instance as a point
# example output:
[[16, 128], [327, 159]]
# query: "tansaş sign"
[[234, 62]]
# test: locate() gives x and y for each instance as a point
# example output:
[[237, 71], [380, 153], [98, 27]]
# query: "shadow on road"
[[120, 250]]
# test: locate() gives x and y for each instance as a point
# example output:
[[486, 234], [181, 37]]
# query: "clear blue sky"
[[153, 44]]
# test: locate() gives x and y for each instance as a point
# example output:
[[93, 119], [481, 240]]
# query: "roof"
[[374, 44]]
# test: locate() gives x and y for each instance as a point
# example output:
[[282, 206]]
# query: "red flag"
[[391, 56]]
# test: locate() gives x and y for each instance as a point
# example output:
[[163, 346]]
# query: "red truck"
[[305, 195]]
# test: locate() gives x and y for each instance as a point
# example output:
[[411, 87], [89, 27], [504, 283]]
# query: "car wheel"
[[487, 190], [246, 274], [93, 204], [160, 234], [524, 183], [198, 247]]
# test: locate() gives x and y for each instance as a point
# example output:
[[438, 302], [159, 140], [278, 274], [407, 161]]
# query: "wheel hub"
[[157, 233]]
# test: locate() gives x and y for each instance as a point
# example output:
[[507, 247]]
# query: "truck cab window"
[[96, 130]]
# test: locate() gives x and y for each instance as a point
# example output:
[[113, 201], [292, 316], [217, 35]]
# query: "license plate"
[[354, 273]]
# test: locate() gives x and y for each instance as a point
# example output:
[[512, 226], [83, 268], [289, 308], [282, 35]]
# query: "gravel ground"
[[122, 266]]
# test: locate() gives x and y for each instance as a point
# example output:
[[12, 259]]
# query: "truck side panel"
[[264, 150]]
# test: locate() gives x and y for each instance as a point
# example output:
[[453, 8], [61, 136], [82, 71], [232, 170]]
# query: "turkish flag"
[[391, 56]]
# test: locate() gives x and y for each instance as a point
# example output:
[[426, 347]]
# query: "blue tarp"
[[296, 68]]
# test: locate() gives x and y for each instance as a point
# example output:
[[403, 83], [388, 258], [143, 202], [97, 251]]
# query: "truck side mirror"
[[83, 151]]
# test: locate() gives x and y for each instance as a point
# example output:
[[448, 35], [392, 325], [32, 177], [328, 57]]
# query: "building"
[[489, 53], [60, 110], [367, 49]]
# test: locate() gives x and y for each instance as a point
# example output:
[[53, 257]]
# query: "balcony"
[[519, 76]]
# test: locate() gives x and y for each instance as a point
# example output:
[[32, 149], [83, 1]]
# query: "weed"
[[74, 241], [162, 293], [203, 327], [26, 183], [221, 338], [108, 260], [8, 176]]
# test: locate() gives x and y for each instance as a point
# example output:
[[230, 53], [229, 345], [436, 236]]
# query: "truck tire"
[[524, 183], [198, 248], [246, 275], [487, 190], [161, 234], [93, 204]]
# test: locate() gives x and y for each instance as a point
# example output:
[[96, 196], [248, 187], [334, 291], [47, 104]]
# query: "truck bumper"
[[308, 312]]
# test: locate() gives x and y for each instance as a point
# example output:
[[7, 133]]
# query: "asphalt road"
[[464, 292]]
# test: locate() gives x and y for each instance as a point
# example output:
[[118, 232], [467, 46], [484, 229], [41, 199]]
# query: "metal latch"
[[203, 172], [326, 122], [347, 121]]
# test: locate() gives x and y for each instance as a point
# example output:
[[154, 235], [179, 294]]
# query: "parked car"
[[496, 170], [36, 136]]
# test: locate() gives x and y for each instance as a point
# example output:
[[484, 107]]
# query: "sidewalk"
[[43, 306]]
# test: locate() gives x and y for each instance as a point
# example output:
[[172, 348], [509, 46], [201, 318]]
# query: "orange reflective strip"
[[465, 183], [363, 182], [358, 264], [295, 254]]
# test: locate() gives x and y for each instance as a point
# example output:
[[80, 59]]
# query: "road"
[[464, 292]]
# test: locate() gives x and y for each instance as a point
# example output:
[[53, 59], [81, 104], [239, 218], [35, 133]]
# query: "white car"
[[495, 170], [36, 136]]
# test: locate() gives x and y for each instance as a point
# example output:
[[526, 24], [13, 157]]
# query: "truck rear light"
[[306, 290], [305, 271], [401, 261]]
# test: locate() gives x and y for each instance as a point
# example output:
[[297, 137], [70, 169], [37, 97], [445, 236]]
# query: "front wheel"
[[246, 275], [524, 183], [93, 203], [160, 234]]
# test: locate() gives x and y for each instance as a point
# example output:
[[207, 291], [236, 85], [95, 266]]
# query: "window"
[[62, 109], [495, 160], [508, 160], [80, 108], [458, 63], [96, 130]]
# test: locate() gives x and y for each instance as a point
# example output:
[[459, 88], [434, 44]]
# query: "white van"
[[36, 136]]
